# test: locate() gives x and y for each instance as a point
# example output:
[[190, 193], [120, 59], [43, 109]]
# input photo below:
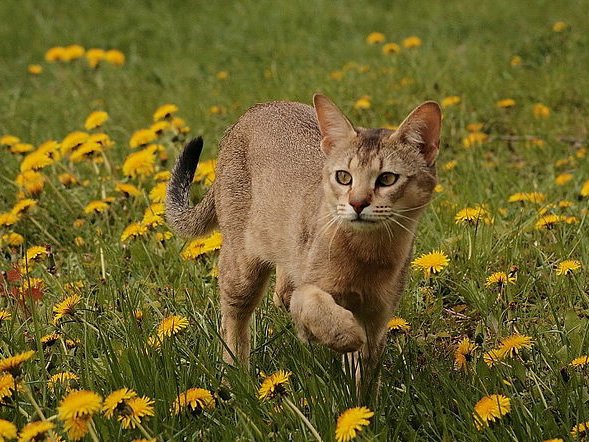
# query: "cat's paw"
[[348, 335]]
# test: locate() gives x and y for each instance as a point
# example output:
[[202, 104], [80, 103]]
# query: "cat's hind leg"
[[283, 289], [319, 318], [242, 282]]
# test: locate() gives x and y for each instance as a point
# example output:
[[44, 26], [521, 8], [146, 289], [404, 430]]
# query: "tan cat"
[[332, 207]]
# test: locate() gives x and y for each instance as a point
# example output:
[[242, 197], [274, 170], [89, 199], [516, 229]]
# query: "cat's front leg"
[[319, 318], [283, 289]]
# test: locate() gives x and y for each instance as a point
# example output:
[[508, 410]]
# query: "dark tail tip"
[[186, 164]]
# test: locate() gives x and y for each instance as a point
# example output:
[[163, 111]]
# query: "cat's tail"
[[185, 220]]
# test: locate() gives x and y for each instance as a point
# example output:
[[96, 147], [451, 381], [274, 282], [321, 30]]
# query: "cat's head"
[[374, 178]]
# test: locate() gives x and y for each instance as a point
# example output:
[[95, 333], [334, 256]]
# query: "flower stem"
[[300, 414], [93, 434], [30, 397]]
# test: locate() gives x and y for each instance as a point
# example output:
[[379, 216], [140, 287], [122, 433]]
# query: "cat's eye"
[[387, 179], [343, 177]]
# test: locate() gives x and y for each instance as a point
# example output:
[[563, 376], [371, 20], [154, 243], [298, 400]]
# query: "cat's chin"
[[362, 225]]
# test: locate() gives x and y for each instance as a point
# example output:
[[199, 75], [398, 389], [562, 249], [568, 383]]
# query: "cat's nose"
[[359, 206]]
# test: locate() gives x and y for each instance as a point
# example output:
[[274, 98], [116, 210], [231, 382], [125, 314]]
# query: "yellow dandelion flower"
[[127, 189], [163, 236], [171, 325], [398, 324], [50, 339], [411, 42], [87, 150], [141, 163], [93, 207], [500, 279], [515, 61], [351, 422], [66, 307], [194, 399], [473, 216], [23, 206], [37, 253], [151, 219], [7, 430], [489, 409], [511, 345], [36, 160], [95, 119], [506, 103], [73, 141], [116, 400], [540, 111], [450, 165], [164, 111], [12, 238], [179, 125], [142, 137], [35, 69], [493, 356], [216, 110], [474, 139], [135, 409], [584, 192], [559, 26], [463, 353], [205, 172], [79, 403], [77, 427], [222, 75], [532, 197], [19, 148], [9, 140], [114, 57], [274, 385], [7, 386], [65, 378], [563, 178], [375, 38], [73, 52], [35, 431], [164, 175], [431, 263], [580, 430], [580, 362], [14, 363], [54, 54], [568, 267], [391, 48], [94, 56], [133, 230], [548, 221], [4, 316], [565, 204], [155, 209], [439, 188], [450, 101], [158, 193], [9, 218], [31, 182], [363, 103], [200, 246]]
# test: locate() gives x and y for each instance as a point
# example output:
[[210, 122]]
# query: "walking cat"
[[332, 207]]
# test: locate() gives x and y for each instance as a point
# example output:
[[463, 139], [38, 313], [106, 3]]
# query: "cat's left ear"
[[335, 128], [422, 129]]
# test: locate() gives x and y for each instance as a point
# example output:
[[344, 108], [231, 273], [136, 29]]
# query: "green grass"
[[287, 50]]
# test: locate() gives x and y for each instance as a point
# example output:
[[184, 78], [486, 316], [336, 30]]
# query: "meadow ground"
[[95, 287]]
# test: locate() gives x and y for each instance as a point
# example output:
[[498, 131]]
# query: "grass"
[[288, 51]]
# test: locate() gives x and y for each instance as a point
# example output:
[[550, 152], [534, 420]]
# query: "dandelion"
[[163, 236], [431, 263], [49, 339], [133, 230], [73, 141], [94, 207], [164, 175], [398, 324], [64, 378], [136, 409], [411, 42], [450, 101], [67, 307], [532, 197], [474, 139], [4, 316], [584, 192], [363, 103], [493, 356], [87, 150], [7, 386], [463, 353], [36, 160], [35, 431], [19, 148], [142, 137], [563, 178], [506, 103], [94, 56], [222, 75], [194, 399], [8, 218], [179, 125], [548, 221], [391, 48], [473, 216], [540, 111], [580, 430], [205, 172], [77, 427], [12, 239], [375, 38], [351, 422], [164, 111], [115, 400], [23, 206], [76, 410], [7, 430], [114, 57], [568, 267], [171, 325], [127, 189], [141, 163], [31, 182], [200, 246], [490, 408], [274, 385], [500, 279], [95, 119], [580, 362], [559, 26], [14, 363], [158, 193], [73, 52], [511, 345]]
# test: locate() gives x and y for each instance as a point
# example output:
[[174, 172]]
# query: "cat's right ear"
[[335, 128]]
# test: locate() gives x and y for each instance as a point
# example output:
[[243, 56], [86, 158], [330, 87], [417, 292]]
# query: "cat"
[[332, 207]]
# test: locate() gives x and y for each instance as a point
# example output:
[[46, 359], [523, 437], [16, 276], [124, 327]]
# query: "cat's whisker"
[[403, 216], [332, 238], [401, 225], [409, 209]]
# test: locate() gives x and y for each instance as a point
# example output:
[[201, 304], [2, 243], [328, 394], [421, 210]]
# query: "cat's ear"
[[422, 129], [335, 128]]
